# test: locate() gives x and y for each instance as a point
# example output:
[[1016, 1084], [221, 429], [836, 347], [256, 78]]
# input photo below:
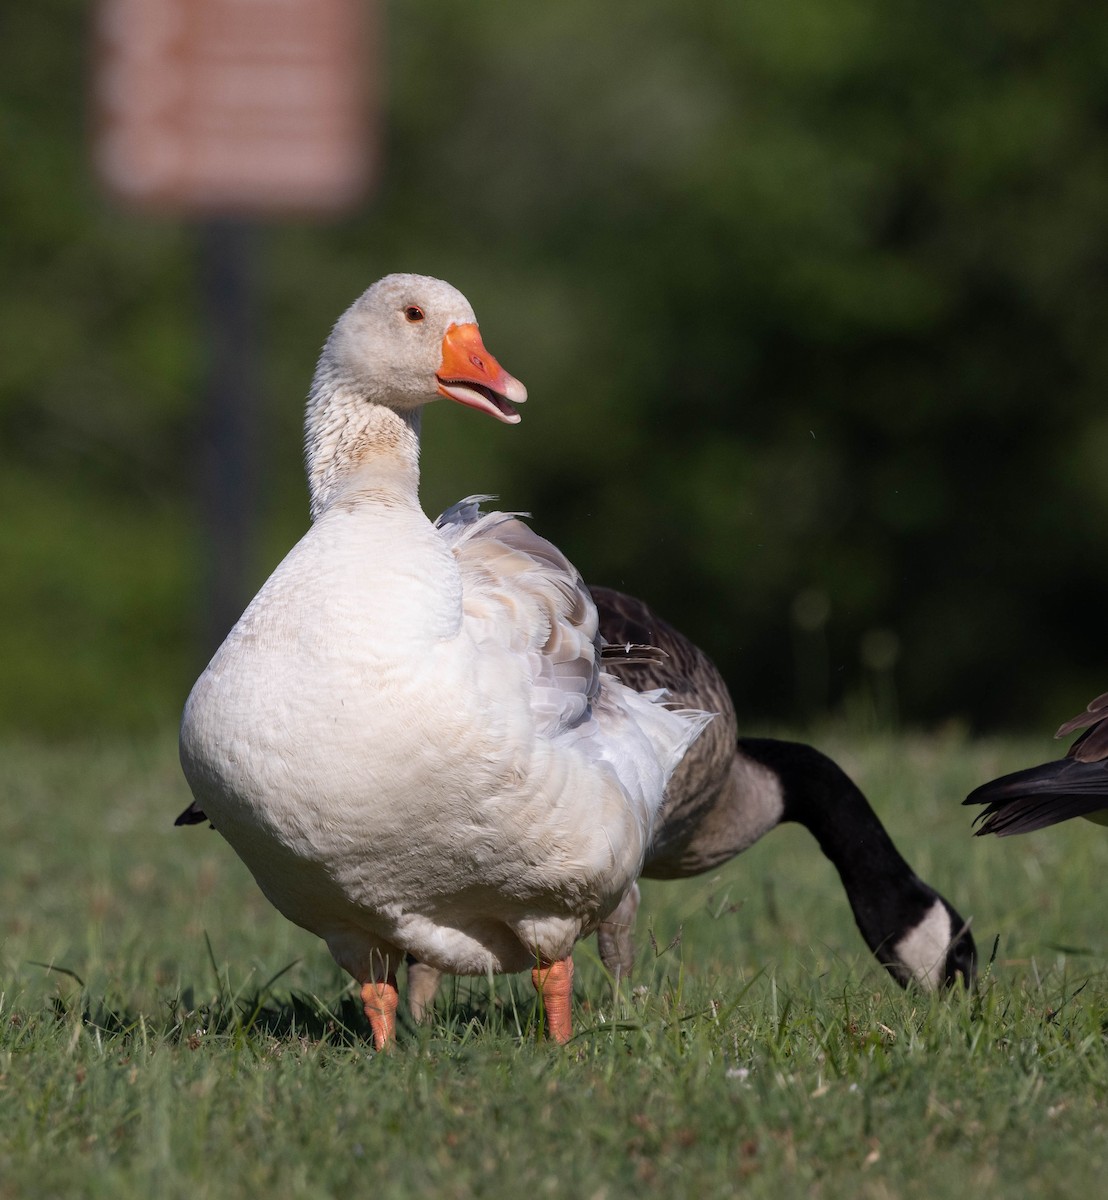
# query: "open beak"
[[470, 375]]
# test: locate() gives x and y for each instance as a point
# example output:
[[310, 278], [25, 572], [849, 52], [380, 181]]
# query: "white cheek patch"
[[923, 949]]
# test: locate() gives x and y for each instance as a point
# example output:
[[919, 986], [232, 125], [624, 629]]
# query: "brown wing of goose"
[[1092, 745], [631, 630]]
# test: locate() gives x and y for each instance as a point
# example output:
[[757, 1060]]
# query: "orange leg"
[[379, 999], [554, 983]]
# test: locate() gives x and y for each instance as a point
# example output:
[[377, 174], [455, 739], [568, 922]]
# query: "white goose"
[[409, 737]]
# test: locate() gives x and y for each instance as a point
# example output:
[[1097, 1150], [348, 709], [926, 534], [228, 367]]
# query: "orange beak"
[[470, 375]]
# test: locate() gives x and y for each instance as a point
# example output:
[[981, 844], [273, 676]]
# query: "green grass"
[[184, 1041]]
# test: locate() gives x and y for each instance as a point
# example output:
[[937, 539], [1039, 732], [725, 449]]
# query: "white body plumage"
[[408, 737]]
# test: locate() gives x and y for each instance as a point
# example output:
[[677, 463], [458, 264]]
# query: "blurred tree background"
[[811, 298]]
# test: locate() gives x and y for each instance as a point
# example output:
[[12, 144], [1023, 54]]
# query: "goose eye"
[[413, 313]]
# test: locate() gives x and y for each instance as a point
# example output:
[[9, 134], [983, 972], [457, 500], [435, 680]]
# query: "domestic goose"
[[410, 737], [1074, 786], [729, 791]]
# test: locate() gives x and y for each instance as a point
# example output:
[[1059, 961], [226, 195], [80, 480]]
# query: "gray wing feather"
[[522, 589]]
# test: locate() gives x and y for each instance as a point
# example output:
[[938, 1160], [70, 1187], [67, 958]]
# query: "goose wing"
[[521, 592], [1074, 786], [1092, 745]]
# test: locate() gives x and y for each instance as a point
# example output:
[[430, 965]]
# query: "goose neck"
[[356, 449]]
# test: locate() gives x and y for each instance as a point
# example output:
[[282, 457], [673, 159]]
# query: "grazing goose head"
[[915, 933], [406, 341]]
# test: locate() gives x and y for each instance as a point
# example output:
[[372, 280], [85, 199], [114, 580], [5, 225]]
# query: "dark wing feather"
[[1092, 745], [193, 815], [644, 652], [1041, 796], [1074, 786]]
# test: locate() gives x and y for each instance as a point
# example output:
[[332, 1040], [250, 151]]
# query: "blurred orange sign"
[[233, 106]]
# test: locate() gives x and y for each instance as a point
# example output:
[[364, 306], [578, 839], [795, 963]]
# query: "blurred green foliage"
[[811, 297]]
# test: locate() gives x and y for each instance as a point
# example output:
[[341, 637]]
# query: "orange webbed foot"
[[379, 999]]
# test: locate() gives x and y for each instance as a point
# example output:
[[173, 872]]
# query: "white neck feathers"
[[357, 449]]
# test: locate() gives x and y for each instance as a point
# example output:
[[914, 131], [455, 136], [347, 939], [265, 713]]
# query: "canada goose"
[[1074, 786], [729, 791], [409, 736]]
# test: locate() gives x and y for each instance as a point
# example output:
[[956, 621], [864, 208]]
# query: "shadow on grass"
[[289, 1019], [260, 1016]]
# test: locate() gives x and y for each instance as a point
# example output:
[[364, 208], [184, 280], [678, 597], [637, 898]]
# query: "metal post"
[[228, 500]]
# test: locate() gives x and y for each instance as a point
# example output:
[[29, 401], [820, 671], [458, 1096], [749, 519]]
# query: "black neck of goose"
[[884, 892]]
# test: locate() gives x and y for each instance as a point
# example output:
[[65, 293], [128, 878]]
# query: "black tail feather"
[[1041, 796], [193, 815]]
